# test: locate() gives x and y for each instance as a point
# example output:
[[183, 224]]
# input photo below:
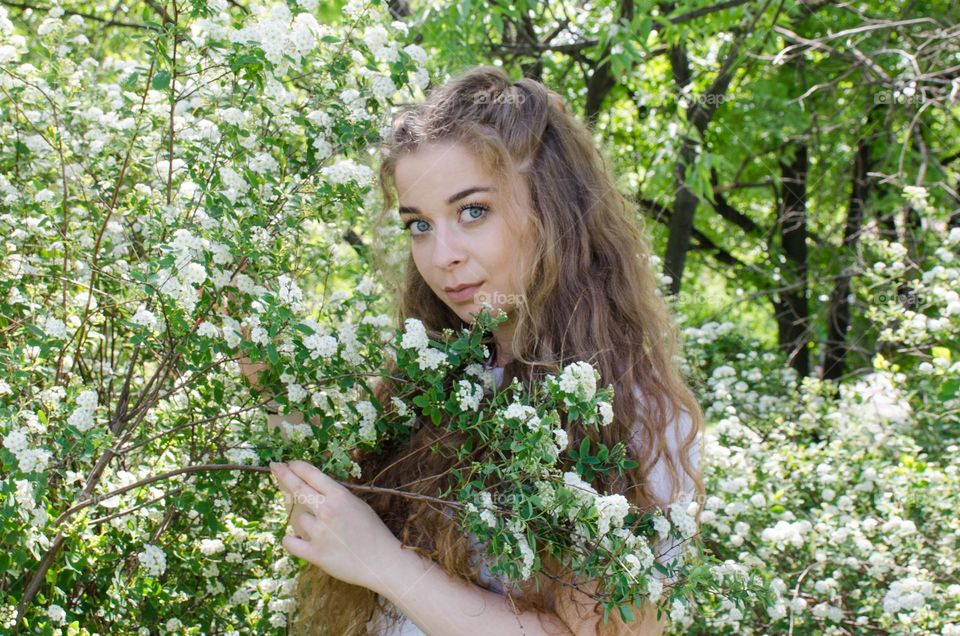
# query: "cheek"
[[517, 258], [420, 260]]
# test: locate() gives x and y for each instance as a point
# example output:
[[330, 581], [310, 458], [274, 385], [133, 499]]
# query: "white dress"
[[667, 550]]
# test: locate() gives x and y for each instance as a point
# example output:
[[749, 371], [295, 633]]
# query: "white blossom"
[[210, 547], [55, 328], [368, 417], [153, 559], [414, 335], [347, 170], [906, 594], [321, 346], [579, 379], [57, 614], [605, 411], [613, 509], [560, 439], [144, 317], [431, 358], [469, 395]]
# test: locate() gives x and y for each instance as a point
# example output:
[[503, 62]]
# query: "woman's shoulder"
[[678, 429], [679, 420], [495, 372]]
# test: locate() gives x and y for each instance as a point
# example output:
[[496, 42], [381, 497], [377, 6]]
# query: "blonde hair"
[[590, 295]]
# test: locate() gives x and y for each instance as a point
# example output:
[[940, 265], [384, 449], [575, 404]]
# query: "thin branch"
[[88, 16], [699, 13]]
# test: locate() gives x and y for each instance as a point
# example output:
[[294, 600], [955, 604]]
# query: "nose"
[[449, 248]]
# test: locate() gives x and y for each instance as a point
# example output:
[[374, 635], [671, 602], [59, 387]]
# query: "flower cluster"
[[82, 417], [152, 195], [415, 338], [29, 458]]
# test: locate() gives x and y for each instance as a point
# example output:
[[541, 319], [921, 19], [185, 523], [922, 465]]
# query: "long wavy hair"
[[591, 295]]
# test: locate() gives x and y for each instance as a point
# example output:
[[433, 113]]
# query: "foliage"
[[162, 164]]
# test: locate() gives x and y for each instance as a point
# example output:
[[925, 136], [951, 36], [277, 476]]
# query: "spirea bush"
[[205, 175], [540, 483], [844, 496], [167, 200], [143, 177]]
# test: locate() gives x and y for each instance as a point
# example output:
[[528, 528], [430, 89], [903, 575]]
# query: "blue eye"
[[474, 206], [472, 218], [407, 225]]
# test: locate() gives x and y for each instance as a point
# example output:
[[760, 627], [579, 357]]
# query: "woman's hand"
[[336, 531], [250, 370]]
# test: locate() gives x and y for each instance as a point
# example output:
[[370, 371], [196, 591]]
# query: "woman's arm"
[[251, 372], [342, 535], [442, 605]]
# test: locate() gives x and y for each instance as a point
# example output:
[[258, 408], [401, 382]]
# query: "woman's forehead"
[[448, 163]]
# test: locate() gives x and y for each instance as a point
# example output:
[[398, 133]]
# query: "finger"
[[309, 524], [286, 482], [315, 477], [303, 493], [297, 547], [300, 520]]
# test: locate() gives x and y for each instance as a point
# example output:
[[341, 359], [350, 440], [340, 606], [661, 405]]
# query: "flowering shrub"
[[163, 201], [843, 496], [139, 182], [217, 161], [599, 535]]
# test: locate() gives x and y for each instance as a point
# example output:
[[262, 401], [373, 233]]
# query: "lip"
[[462, 293]]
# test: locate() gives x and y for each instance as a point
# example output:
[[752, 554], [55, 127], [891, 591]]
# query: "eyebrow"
[[456, 197]]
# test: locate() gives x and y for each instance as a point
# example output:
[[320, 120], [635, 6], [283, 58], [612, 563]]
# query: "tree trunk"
[[836, 346], [681, 221], [601, 81], [699, 114], [792, 311]]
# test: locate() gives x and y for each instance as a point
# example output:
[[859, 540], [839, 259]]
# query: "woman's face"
[[464, 229]]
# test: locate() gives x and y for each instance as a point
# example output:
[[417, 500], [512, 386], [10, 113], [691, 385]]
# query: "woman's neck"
[[497, 360], [503, 341]]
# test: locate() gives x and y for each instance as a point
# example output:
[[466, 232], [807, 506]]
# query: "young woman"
[[508, 203]]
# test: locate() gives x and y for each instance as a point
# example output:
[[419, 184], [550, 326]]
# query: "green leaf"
[[161, 81], [130, 83], [949, 390]]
